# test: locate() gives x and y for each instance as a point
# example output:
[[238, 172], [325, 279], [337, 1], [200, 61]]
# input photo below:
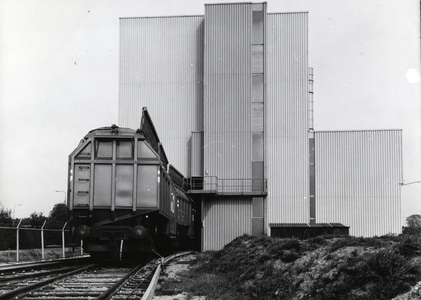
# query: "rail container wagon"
[[124, 198]]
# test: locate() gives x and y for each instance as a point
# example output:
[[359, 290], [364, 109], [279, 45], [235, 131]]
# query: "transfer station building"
[[230, 93]]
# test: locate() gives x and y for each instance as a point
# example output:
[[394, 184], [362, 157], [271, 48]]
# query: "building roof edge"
[[357, 130], [163, 17], [289, 12]]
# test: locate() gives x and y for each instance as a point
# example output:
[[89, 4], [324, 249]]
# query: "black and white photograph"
[[195, 150]]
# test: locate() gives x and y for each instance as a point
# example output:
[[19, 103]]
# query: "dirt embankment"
[[321, 268]]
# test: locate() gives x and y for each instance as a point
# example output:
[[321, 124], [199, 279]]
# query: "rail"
[[150, 291], [139, 282], [115, 288], [29, 288], [213, 184], [43, 264]]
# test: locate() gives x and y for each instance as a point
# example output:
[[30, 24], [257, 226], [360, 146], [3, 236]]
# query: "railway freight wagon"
[[123, 196]]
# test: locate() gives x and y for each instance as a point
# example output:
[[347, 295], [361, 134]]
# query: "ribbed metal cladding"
[[227, 92], [357, 180], [197, 154], [286, 111], [161, 67], [225, 219]]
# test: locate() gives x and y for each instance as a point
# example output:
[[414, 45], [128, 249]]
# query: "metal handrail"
[[228, 185]]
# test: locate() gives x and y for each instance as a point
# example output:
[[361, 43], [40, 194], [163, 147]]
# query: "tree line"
[[30, 239]]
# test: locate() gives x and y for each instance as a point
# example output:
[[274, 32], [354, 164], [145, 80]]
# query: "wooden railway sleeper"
[[25, 290], [135, 287], [114, 289]]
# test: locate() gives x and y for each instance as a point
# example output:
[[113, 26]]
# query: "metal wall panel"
[[286, 112], [161, 67], [227, 92], [357, 180], [224, 219]]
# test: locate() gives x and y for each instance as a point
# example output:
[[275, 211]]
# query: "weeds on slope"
[[320, 268]]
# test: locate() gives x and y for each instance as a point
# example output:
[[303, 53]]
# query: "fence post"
[[62, 238], [17, 241], [42, 240], [81, 247]]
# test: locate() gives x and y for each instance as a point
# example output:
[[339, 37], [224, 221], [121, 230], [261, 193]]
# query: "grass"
[[9, 256], [328, 267]]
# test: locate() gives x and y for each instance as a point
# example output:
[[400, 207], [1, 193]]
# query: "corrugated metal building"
[[357, 180], [161, 67], [230, 97], [286, 130]]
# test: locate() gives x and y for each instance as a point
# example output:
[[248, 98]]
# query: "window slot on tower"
[[257, 58], [257, 88], [257, 117], [257, 151], [257, 34]]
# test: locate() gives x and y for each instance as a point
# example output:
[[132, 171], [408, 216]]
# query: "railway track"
[[134, 286], [89, 282], [9, 280], [21, 267], [14, 287]]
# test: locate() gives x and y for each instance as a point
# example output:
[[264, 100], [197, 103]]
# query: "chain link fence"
[[16, 236]]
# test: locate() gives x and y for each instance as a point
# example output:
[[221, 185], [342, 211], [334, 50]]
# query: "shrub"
[[342, 268], [318, 240], [380, 275], [410, 246], [374, 242], [340, 243], [412, 231], [277, 287], [286, 250]]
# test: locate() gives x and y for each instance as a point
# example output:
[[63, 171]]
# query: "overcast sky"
[[59, 77]]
